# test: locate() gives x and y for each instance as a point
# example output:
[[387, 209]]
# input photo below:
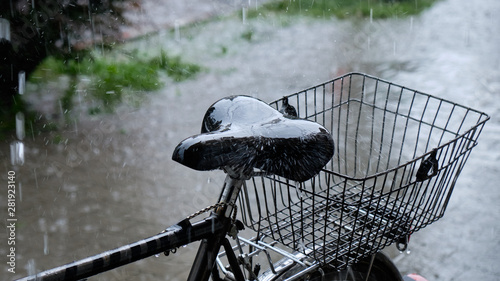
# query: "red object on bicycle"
[[414, 277]]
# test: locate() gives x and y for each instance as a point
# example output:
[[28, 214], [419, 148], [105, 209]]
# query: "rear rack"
[[398, 154], [279, 260]]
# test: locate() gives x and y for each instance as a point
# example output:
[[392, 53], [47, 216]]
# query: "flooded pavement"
[[146, 17], [109, 180]]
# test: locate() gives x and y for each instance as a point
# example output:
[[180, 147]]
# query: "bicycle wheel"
[[383, 269]]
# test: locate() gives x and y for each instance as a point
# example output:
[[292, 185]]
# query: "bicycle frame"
[[209, 248], [211, 230]]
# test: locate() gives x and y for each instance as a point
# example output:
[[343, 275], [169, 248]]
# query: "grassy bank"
[[106, 79], [345, 8], [103, 81]]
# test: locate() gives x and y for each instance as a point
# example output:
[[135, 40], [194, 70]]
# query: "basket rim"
[[483, 118]]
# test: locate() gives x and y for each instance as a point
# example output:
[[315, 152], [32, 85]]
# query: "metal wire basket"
[[398, 155]]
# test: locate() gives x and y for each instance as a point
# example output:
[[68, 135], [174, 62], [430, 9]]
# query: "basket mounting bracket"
[[428, 168]]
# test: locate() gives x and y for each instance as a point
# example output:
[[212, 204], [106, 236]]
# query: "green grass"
[[248, 35], [109, 80], [175, 67], [345, 8], [113, 76]]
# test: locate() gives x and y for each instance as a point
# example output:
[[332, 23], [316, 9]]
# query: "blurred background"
[[111, 87]]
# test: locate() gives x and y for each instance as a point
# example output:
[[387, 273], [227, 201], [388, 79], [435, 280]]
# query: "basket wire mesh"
[[369, 195]]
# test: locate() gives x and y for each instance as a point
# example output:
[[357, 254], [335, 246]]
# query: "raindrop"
[[17, 153], [30, 267], [22, 82], [69, 42], [20, 131], [5, 29], [36, 178], [302, 245], [91, 20], [371, 15], [102, 41], [45, 243], [244, 15], [61, 108], [42, 223], [20, 192]]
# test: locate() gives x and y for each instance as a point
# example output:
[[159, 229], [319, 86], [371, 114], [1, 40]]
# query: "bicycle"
[[323, 179]]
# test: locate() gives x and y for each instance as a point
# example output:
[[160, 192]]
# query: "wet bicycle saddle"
[[242, 133]]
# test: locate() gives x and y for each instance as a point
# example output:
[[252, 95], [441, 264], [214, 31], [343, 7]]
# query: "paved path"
[[154, 15]]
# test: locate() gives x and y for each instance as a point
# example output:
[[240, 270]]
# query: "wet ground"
[[110, 181]]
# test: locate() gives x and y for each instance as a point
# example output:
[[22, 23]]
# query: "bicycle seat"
[[243, 133]]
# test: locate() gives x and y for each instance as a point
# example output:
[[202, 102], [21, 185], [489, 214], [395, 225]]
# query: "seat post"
[[230, 191], [209, 248]]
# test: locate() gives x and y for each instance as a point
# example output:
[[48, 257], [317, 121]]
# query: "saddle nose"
[[243, 133]]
